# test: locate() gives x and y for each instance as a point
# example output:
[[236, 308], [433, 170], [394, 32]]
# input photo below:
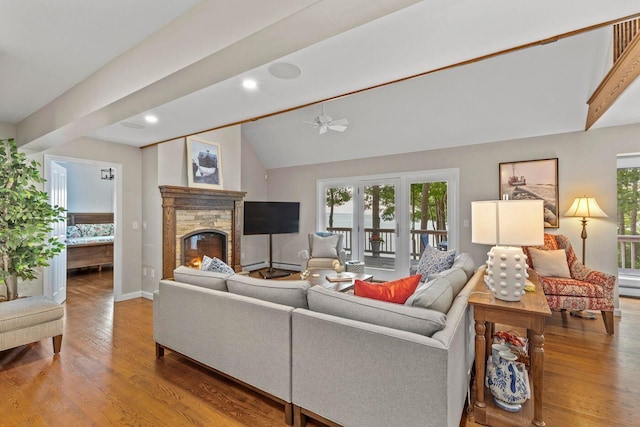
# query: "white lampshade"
[[586, 207], [508, 222]]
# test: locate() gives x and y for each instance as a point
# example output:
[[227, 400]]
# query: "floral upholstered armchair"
[[572, 286]]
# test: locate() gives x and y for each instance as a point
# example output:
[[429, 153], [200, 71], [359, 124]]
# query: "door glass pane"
[[428, 211], [379, 226], [339, 214]]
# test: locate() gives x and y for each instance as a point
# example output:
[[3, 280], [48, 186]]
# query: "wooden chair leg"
[[607, 317], [288, 413], [57, 344]]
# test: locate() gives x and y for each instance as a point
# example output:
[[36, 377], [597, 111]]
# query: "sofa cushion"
[[206, 279], [292, 293], [466, 263], [551, 263], [436, 294], [434, 261], [412, 319], [324, 247], [215, 264], [396, 291], [456, 277]]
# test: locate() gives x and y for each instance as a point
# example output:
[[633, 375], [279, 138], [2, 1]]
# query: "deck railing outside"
[[435, 238], [628, 248]]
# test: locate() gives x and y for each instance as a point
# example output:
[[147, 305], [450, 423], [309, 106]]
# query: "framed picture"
[[533, 179], [204, 163]]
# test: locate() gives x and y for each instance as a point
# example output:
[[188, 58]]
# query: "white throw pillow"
[[551, 263], [325, 247]]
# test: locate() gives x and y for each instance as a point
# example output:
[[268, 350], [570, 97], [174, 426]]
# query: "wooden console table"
[[530, 313]]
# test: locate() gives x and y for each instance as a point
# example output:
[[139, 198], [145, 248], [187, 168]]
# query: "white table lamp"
[[507, 224]]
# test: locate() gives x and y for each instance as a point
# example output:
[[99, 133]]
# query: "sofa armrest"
[[342, 257]]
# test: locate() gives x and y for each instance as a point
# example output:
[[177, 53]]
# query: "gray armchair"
[[322, 252]]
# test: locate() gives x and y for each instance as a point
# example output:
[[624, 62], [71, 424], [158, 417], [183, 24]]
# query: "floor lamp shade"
[[507, 224], [585, 207]]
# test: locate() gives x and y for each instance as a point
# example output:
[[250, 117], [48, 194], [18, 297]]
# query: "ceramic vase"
[[508, 382]]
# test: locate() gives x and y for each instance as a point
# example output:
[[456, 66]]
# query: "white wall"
[[255, 249], [586, 165], [86, 190], [166, 164], [7, 130]]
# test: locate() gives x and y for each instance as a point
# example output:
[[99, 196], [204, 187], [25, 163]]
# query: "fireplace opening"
[[212, 243]]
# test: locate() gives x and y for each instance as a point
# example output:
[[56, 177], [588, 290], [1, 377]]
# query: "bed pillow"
[[550, 263], [215, 264]]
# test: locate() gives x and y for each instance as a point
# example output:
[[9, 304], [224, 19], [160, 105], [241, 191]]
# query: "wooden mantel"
[[184, 198]]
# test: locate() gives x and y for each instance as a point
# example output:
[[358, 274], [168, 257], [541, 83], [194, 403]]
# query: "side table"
[[530, 313]]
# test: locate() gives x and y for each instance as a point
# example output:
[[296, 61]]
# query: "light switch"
[[135, 225]]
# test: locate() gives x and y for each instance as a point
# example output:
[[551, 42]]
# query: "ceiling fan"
[[325, 123]]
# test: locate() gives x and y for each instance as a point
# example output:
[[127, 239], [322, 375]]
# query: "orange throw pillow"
[[397, 291]]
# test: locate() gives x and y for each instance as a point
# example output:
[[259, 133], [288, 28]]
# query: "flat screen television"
[[271, 217]]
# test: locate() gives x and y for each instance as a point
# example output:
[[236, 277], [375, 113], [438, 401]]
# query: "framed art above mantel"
[[533, 179], [204, 164]]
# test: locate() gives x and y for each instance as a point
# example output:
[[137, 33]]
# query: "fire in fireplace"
[[195, 245]]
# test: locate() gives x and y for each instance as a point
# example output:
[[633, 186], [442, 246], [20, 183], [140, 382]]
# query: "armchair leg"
[[607, 317]]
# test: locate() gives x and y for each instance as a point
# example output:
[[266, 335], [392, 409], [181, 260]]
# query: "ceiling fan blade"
[[339, 128], [340, 122], [323, 128]]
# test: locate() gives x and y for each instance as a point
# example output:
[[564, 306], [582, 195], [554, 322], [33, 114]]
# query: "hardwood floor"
[[107, 374]]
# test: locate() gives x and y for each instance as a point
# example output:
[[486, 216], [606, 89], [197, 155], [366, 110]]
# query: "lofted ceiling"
[[60, 85]]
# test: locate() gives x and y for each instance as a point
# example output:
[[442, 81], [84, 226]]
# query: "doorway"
[[628, 185], [387, 220], [88, 199]]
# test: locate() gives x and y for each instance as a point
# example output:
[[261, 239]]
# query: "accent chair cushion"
[[206, 279], [396, 291], [324, 247], [292, 293], [411, 319], [215, 264], [434, 261], [436, 294], [551, 263]]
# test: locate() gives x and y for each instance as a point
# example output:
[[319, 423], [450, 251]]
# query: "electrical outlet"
[[135, 225], [153, 272], [144, 225], [144, 272], [465, 223]]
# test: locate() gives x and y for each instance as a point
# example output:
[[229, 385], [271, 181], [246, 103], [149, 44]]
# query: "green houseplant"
[[26, 219]]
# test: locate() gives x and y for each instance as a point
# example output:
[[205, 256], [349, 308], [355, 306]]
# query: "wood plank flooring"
[[107, 373]]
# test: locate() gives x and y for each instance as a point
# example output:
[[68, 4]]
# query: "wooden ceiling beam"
[[625, 70]]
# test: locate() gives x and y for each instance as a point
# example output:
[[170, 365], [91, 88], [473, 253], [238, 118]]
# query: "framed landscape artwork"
[[533, 179], [204, 163]]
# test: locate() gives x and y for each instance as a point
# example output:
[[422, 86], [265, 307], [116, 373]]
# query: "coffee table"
[[323, 278]]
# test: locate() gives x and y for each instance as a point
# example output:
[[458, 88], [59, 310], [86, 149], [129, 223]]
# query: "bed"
[[89, 240]]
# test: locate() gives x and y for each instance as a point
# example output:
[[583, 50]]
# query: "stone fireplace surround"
[[186, 210]]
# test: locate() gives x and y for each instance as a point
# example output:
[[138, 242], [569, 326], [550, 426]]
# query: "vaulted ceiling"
[[85, 68]]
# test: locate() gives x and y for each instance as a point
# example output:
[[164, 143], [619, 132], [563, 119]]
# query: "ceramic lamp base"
[[507, 272]]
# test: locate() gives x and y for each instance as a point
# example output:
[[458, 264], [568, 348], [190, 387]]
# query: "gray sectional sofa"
[[342, 359]]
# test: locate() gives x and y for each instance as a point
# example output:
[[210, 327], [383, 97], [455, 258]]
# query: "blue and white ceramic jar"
[[508, 383]]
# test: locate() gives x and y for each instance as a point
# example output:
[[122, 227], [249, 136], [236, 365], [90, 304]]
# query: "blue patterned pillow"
[[214, 264], [434, 261]]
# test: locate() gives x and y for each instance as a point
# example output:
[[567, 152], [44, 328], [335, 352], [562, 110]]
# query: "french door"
[[386, 221]]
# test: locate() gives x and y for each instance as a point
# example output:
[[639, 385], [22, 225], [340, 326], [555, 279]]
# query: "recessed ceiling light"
[[284, 70], [150, 118], [249, 84]]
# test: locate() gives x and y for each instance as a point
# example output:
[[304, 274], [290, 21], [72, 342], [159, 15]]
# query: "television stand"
[[273, 273]]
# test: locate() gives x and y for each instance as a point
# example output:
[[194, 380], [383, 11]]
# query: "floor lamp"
[[585, 207]]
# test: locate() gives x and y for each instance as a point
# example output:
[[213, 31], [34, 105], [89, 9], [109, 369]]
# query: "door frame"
[[117, 217]]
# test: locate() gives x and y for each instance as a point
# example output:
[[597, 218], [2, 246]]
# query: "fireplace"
[[212, 243], [187, 212]]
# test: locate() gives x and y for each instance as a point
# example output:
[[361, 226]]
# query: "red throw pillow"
[[397, 291]]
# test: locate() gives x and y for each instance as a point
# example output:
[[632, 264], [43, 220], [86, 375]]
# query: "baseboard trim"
[[147, 295], [131, 295]]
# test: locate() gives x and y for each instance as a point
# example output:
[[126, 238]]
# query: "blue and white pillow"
[[434, 261], [214, 264]]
